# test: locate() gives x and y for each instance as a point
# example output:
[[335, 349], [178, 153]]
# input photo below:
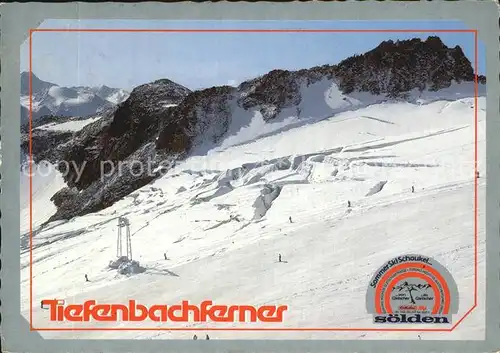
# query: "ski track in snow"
[[204, 216]]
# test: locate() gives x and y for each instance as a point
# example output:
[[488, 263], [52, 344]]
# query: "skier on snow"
[[412, 188], [290, 219], [279, 257], [86, 278], [348, 203], [165, 255]]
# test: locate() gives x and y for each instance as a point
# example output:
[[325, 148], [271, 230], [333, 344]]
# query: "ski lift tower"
[[124, 223]]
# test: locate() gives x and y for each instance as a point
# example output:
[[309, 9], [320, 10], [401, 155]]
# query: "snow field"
[[370, 156]]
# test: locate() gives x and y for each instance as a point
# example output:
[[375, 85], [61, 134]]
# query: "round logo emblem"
[[412, 289]]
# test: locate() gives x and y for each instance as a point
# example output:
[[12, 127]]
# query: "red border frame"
[[31, 31]]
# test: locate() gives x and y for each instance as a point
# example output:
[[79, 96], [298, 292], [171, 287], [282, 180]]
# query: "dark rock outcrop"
[[202, 116], [64, 196], [272, 92], [110, 186], [122, 131], [44, 144], [115, 155], [398, 67]]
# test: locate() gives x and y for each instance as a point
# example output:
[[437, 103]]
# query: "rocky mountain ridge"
[[163, 122]]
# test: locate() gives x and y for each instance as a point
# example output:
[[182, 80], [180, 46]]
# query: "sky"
[[201, 60]]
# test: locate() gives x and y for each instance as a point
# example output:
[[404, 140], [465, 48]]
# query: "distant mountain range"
[[51, 99]]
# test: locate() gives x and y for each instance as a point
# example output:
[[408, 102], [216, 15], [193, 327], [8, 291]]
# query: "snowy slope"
[[320, 101], [223, 218], [71, 125], [46, 181]]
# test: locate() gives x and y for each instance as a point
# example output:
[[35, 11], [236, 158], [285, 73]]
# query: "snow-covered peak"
[[36, 84], [79, 101]]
